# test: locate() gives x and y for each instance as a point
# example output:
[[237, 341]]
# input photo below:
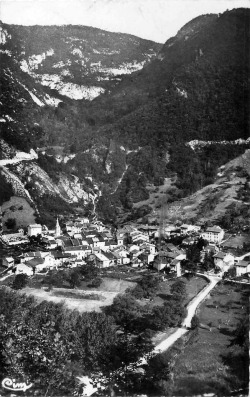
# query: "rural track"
[[191, 309]]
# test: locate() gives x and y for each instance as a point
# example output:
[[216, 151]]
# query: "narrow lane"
[[191, 309]]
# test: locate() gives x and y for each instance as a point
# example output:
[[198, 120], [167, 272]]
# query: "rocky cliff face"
[[30, 186], [78, 62], [45, 68]]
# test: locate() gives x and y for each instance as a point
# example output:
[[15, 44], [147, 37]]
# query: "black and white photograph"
[[124, 198]]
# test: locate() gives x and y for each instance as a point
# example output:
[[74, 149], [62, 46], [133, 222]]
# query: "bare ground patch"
[[108, 290]]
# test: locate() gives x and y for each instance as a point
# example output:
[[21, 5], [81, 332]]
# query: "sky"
[[150, 19]]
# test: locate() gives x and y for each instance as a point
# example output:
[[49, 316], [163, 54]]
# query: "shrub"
[[195, 322], [20, 281], [95, 283], [147, 287], [74, 278], [10, 223]]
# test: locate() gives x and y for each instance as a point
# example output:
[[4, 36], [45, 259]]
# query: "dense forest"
[[51, 346]]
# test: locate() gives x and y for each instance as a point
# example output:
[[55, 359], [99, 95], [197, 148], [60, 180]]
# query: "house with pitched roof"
[[79, 251], [23, 268], [61, 257], [34, 230], [136, 262], [37, 265], [50, 242], [223, 260], [187, 229], [161, 261], [242, 267], [112, 258], [8, 261], [213, 234], [122, 255], [43, 257], [121, 236], [175, 266], [149, 247], [102, 260], [171, 230]]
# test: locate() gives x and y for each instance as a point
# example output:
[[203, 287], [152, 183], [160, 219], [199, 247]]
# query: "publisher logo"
[[11, 384]]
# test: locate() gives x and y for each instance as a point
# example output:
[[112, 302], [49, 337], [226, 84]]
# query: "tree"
[[241, 334], [138, 292], [195, 322], [147, 287], [208, 261], [89, 271], [49, 345], [231, 273], [20, 281], [74, 278], [193, 253], [123, 372], [191, 267], [168, 315], [95, 283], [126, 311], [37, 354], [178, 290], [157, 371], [56, 278], [10, 223], [201, 243]]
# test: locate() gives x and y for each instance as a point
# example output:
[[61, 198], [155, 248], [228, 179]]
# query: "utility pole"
[[162, 221]]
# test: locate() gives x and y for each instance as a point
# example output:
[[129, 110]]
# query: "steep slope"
[[137, 133], [43, 71], [226, 201], [197, 89], [207, 54], [78, 61], [26, 186]]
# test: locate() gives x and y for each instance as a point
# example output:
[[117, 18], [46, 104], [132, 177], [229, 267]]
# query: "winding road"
[[191, 309], [20, 156]]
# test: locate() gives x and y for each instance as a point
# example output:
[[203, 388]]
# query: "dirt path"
[[191, 309]]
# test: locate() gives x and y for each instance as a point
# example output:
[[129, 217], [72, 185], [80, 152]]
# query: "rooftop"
[[242, 263], [220, 255], [214, 229]]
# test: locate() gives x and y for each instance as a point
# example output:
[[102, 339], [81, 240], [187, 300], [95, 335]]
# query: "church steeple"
[[58, 231]]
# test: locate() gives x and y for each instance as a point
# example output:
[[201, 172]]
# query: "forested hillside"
[[135, 130]]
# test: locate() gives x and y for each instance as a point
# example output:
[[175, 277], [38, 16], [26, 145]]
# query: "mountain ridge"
[[136, 132]]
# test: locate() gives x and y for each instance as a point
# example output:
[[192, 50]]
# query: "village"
[[167, 250]]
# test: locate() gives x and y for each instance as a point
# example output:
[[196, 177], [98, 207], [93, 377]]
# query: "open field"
[[19, 209], [205, 362], [107, 292], [193, 286], [77, 295]]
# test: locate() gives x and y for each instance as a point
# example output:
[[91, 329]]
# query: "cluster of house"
[[224, 249], [82, 241]]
